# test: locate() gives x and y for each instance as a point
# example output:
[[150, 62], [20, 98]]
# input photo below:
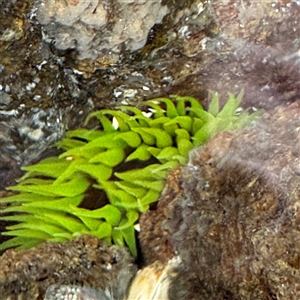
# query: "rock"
[[59, 292], [256, 49], [234, 221], [218, 45], [38, 97], [86, 261], [154, 239], [152, 282], [183, 47], [94, 28]]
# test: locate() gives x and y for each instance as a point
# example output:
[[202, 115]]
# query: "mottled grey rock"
[[66, 292], [5, 99], [96, 27]]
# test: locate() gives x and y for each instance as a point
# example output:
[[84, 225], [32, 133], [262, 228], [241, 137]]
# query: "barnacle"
[[47, 205]]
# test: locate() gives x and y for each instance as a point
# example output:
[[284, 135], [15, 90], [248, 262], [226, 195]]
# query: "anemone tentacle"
[[50, 192]]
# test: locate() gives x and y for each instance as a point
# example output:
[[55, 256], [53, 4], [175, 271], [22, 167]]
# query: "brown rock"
[[234, 219], [153, 238], [86, 261]]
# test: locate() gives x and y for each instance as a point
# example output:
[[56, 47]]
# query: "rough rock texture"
[[96, 28], [39, 98], [257, 49], [198, 45], [235, 220], [154, 239], [85, 261], [59, 292]]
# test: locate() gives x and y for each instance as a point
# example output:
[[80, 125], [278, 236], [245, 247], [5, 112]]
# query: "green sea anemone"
[[47, 206]]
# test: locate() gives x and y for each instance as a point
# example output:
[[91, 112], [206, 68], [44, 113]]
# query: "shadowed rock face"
[[236, 221]]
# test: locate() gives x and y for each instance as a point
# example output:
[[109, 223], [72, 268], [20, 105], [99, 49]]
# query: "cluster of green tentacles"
[[47, 205]]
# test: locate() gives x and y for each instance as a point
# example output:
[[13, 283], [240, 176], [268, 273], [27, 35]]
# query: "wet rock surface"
[[231, 213], [39, 98], [86, 261], [234, 221], [95, 54]]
